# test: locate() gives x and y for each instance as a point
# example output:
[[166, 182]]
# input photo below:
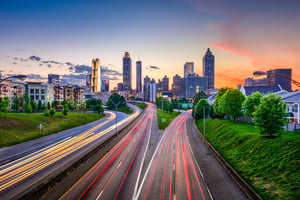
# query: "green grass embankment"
[[270, 165], [124, 109], [167, 116], [20, 127], [140, 105]]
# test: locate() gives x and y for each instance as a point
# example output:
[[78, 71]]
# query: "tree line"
[[267, 112]]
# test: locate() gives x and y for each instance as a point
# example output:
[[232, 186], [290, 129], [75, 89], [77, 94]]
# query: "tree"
[[201, 107], [269, 116], [52, 112], [33, 105], [198, 96], [66, 109], [5, 105], [99, 109], [217, 103], [16, 103], [48, 105], [251, 103], [39, 106], [115, 98], [28, 108], [26, 101], [231, 103], [164, 104]]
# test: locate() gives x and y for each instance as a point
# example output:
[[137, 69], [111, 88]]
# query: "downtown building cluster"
[[182, 87]]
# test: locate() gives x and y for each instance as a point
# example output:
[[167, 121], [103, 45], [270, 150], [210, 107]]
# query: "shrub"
[[52, 112]]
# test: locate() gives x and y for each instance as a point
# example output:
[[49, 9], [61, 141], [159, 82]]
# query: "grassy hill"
[[20, 127], [270, 165]]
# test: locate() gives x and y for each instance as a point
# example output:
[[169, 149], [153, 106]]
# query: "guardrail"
[[39, 189]]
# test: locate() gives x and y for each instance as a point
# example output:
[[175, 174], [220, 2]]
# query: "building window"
[[31, 91], [295, 107], [31, 97], [42, 91], [43, 97], [37, 91], [37, 97]]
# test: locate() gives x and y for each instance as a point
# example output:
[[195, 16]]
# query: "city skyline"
[[61, 38]]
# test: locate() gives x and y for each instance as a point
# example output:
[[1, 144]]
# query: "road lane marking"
[[143, 159]]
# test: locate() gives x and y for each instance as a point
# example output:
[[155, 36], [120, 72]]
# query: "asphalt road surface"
[[115, 175], [24, 166], [149, 164]]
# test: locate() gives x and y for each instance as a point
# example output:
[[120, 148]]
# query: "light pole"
[[116, 106]]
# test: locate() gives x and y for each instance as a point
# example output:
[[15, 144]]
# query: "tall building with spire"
[[188, 68], [209, 69], [127, 72], [96, 76], [139, 76]]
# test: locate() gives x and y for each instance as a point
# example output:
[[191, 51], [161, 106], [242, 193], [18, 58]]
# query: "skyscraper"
[[209, 69], [126, 72], [96, 77], [138, 76], [280, 77], [176, 85], [165, 84], [188, 68], [53, 78]]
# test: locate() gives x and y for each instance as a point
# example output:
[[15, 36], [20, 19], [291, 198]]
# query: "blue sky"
[[244, 36]]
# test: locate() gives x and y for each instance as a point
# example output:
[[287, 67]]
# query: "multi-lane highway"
[[144, 164], [114, 176], [25, 166], [148, 164]]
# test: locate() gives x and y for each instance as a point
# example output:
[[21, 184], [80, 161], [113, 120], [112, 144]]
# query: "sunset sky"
[[63, 36]]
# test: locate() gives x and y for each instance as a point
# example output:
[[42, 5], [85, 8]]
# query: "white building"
[[40, 91], [292, 99]]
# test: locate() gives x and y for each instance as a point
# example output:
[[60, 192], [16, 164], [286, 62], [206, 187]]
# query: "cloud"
[[49, 65], [15, 63], [68, 63], [153, 67], [103, 77], [52, 62], [82, 69], [109, 72], [35, 77], [35, 58]]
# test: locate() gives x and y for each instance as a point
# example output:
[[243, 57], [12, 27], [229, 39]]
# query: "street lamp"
[[21, 77], [116, 106]]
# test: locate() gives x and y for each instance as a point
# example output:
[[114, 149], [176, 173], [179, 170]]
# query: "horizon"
[[58, 37]]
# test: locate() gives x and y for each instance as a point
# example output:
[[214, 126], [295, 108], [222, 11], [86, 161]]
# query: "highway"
[[149, 164], [173, 172], [24, 166], [114, 176], [183, 168]]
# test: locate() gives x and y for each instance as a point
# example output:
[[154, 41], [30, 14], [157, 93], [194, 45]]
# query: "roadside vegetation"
[[140, 105], [164, 118], [270, 166], [20, 127], [116, 101]]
